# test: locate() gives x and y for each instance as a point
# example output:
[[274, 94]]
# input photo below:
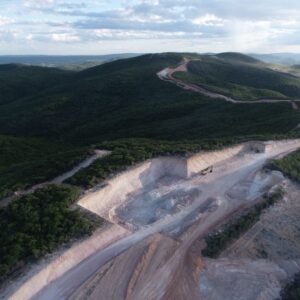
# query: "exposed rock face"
[[117, 189], [105, 200]]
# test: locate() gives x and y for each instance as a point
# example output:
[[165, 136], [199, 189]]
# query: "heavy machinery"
[[206, 170]]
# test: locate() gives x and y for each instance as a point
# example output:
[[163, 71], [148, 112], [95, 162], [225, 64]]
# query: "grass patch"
[[217, 242]]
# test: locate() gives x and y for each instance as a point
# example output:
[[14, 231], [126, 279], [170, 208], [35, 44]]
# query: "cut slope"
[[105, 200]]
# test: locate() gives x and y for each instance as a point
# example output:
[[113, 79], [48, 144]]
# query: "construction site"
[[158, 214]]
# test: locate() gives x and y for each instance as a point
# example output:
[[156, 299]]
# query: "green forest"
[[36, 224], [241, 77], [28, 161]]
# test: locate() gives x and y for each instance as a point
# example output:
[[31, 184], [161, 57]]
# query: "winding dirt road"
[[167, 75]]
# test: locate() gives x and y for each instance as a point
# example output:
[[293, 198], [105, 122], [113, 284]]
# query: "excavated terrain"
[[261, 261], [161, 210]]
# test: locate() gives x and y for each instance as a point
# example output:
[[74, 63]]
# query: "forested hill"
[[19, 81], [126, 99], [241, 77]]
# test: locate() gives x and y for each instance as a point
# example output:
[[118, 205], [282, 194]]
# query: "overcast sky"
[[118, 26]]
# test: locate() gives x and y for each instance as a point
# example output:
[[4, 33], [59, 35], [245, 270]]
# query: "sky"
[[70, 27]]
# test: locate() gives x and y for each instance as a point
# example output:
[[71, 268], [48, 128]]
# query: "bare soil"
[[166, 207]]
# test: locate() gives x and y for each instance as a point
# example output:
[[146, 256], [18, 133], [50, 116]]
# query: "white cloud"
[[5, 21], [209, 20], [250, 35], [65, 37], [208, 25], [29, 37], [38, 3], [135, 34]]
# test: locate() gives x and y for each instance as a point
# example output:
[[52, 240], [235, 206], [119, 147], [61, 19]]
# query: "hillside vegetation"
[[125, 99], [236, 57], [36, 224], [27, 161], [241, 77], [289, 165], [19, 81], [52, 125]]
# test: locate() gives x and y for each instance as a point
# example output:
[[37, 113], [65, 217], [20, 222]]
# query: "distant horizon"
[[143, 53], [85, 61]]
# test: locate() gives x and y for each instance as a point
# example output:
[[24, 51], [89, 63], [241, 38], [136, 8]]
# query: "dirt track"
[[167, 75], [234, 183], [57, 180]]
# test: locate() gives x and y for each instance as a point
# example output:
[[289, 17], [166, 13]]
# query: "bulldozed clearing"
[[165, 207]]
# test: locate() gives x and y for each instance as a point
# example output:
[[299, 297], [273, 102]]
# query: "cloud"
[[38, 4], [208, 20], [46, 4], [207, 24], [65, 37], [5, 21], [116, 34]]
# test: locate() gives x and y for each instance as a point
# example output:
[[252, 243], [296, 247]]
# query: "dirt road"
[[227, 179], [57, 180], [167, 75]]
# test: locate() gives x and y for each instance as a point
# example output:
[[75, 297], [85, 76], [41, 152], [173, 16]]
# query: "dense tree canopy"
[[36, 224]]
